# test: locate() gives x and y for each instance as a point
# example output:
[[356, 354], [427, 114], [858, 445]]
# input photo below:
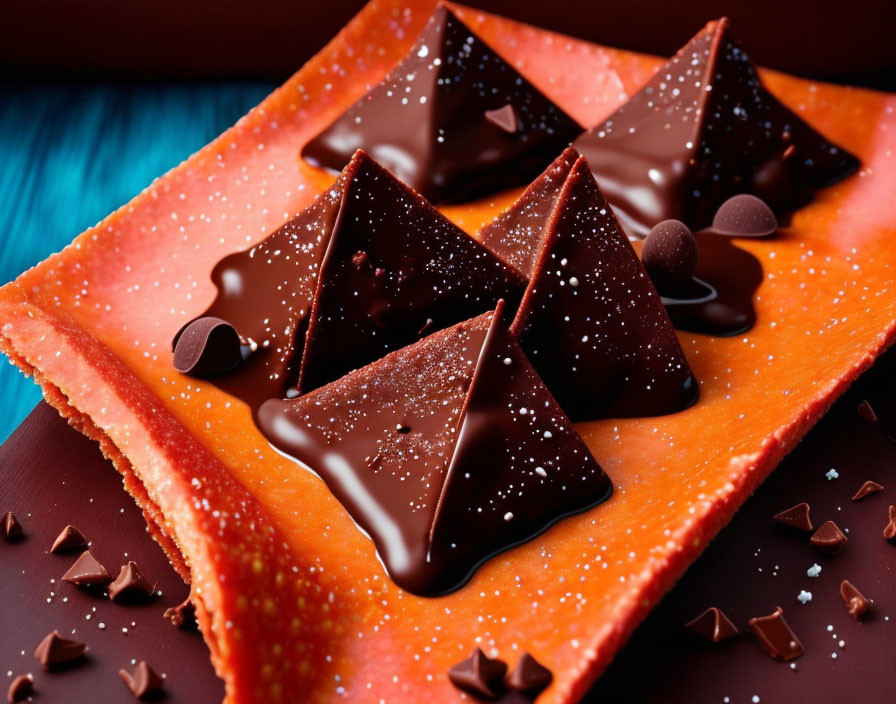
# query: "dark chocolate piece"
[[867, 412], [143, 682], [776, 637], [207, 347], [704, 129], [890, 529], [20, 689], [492, 458], [529, 675], [441, 120], [713, 625], [745, 215], [796, 517], [130, 584], [591, 320], [183, 615], [69, 540], [829, 538], [866, 489], [12, 529], [670, 256], [855, 601], [55, 650], [87, 572], [479, 675]]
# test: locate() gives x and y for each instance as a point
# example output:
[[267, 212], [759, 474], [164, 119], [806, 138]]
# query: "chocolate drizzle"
[[453, 119]]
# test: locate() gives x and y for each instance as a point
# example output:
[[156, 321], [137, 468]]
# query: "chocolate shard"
[[703, 129], [745, 215], [479, 675], [829, 538], [454, 413], [183, 615], [856, 603], [452, 119], [890, 529], [713, 625], [796, 517], [421, 273], [670, 257], [867, 412], [69, 540], [55, 650], [867, 489], [87, 572], [20, 689], [207, 347], [776, 637], [592, 322], [143, 681], [529, 675], [12, 529], [130, 584]]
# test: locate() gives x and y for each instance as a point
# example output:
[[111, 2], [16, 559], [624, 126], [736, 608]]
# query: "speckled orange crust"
[[293, 601]]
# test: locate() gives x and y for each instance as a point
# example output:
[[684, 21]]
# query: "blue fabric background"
[[70, 154]]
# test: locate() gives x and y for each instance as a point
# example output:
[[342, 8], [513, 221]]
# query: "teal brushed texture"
[[70, 154]]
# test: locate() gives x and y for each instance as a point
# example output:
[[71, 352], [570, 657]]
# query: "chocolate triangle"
[[453, 119], [516, 234], [87, 572], [592, 322], [445, 452], [713, 625], [796, 517], [130, 585], [529, 675], [479, 675], [69, 540], [11, 528], [56, 650], [394, 270], [703, 129], [143, 681]]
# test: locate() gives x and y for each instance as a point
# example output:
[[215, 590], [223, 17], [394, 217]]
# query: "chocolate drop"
[[796, 517], [745, 215], [143, 682], [207, 347], [87, 572], [55, 650], [183, 615], [856, 603], [867, 489], [529, 675], [670, 256], [69, 540], [829, 538], [130, 585], [12, 529], [867, 412], [713, 625], [776, 637], [479, 675], [20, 689]]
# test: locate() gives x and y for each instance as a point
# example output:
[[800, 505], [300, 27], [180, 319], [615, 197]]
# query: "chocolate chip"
[[130, 584], [183, 615], [796, 517], [745, 215], [867, 412], [504, 118], [856, 603], [20, 689], [69, 540], [479, 675], [713, 625], [87, 572], [890, 530], [207, 347], [56, 650], [670, 256], [867, 488], [829, 538], [143, 681], [12, 529], [529, 675], [776, 637]]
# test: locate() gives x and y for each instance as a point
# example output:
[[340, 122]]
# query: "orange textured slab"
[[291, 596]]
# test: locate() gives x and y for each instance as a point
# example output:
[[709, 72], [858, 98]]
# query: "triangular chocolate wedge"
[[592, 322], [445, 452], [453, 119], [703, 129]]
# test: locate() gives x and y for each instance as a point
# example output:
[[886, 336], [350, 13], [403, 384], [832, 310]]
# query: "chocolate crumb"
[[12, 529], [479, 675], [183, 615], [143, 681], [776, 637], [130, 584], [56, 650], [207, 347], [745, 215], [890, 530], [529, 675], [829, 538], [21, 688], [867, 488], [713, 625], [856, 603], [796, 517], [867, 412], [87, 572], [69, 540]]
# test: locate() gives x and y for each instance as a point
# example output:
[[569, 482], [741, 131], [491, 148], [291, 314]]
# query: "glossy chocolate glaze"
[[444, 453], [439, 120], [703, 129]]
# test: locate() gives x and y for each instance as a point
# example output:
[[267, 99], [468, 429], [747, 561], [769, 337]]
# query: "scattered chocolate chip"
[[87, 572], [856, 603], [796, 517], [776, 637], [183, 615], [69, 540], [713, 625], [479, 675], [867, 412], [20, 689], [12, 529], [56, 650], [867, 488], [890, 530], [670, 256], [143, 681], [829, 538], [130, 584], [745, 215], [529, 675], [360, 260], [207, 347], [504, 118]]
